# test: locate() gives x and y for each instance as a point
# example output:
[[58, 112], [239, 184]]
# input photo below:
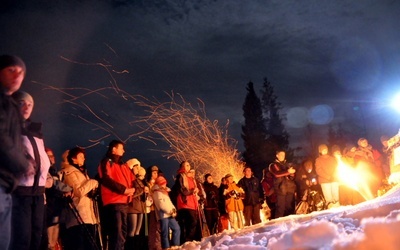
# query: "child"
[[166, 213]]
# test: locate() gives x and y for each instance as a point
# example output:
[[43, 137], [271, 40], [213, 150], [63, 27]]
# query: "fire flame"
[[358, 178]]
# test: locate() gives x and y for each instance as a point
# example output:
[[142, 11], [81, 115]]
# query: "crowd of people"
[[127, 206]]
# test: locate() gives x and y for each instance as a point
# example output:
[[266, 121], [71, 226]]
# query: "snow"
[[369, 225]]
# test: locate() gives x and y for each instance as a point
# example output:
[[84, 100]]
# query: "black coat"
[[252, 190]]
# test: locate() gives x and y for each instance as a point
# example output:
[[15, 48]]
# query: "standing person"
[[233, 203], [326, 167], [13, 161], [81, 219], [211, 205], [284, 185], [116, 181], [28, 199], [308, 188], [253, 197], [166, 212], [154, 239], [306, 179], [202, 228], [136, 208], [223, 222], [187, 202], [267, 184], [370, 160], [54, 203]]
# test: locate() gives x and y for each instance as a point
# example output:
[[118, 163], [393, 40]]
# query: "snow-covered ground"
[[372, 224]]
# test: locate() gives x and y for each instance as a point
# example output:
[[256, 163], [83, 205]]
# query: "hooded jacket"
[[162, 202]]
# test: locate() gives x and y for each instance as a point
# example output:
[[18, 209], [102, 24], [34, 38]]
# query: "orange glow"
[[357, 178]]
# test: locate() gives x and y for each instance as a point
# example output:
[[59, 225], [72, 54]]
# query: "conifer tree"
[[277, 136], [254, 132]]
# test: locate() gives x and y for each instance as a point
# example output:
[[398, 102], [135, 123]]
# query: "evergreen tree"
[[254, 132], [278, 138]]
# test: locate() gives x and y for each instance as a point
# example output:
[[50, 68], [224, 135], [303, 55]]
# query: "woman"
[[187, 202], [136, 208], [154, 240], [80, 219], [28, 209], [234, 203]]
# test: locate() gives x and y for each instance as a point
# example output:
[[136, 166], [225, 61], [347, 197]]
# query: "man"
[[284, 185], [116, 179], [13, 159], [326, 168], [253, 193], [211, 204]]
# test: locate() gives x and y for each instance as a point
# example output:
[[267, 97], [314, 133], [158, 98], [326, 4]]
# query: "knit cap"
[[9, 60], [161, 181]]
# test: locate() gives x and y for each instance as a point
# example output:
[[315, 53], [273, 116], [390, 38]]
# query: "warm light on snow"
[[369, 225]]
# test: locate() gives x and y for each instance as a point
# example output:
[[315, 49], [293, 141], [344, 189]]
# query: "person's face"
[[11, 79], [223, 181], [26, 108], [186, 165], [209, 179], [51, 157], [364, 143], [79, 159], [229, 179], [154, 175], [324, 151], [280, 156], [119, 150], [247, 172], [135, 169]]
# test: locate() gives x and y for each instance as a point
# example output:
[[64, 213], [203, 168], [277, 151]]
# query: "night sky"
[[327, 60]]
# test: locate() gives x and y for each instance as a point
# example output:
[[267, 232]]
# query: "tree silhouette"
[[254, 132], [277, 136]]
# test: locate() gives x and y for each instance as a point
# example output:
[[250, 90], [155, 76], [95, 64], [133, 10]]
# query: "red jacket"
[[115, 178]]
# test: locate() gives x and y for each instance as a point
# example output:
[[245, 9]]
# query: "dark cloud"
[[333, 53]]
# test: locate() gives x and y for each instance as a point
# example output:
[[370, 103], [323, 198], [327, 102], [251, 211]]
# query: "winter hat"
[[8, 60], [161, 181], [322, 147], [206, 176], [133, 162], [21, 95]]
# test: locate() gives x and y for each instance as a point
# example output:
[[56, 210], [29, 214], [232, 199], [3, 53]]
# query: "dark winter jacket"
[[283, 181], [305, 180], [221, 203], [13, 160], [252, 190], [212, 196], [137, 205]]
